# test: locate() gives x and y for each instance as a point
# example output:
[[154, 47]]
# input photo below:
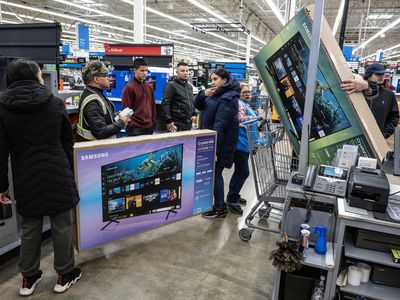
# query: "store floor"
[[195, 258]]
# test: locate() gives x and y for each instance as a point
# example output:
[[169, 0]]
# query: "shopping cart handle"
[[245, 123]]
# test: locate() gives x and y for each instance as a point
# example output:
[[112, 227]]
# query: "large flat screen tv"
[[144, 184], [289, 68]]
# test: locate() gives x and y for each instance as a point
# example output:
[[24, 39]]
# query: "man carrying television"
[[96, 113], [381, 101], [178, 105], [139, 96]]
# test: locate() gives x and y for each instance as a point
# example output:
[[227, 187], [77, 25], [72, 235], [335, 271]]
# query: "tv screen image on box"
[[144, 184], [288, 66]]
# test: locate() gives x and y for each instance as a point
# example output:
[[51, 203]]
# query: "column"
[[138, 21], [248, 49]]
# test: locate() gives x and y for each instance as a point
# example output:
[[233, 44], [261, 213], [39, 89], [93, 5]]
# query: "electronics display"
[[144, 184], [326, 179], [289, 68]]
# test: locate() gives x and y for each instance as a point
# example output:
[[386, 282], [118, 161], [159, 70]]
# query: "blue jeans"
[[218, 188], [239, 177]]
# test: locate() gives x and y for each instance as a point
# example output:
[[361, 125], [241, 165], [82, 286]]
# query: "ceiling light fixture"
[[383, 30], [275, 10], [161, 14], [91, 22], [338, 17]]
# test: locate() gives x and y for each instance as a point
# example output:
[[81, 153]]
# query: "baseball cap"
[[375, 68], [92, 69]]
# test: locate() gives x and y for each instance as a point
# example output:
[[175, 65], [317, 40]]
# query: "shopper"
[[36, 132], [219, 112], [139, 96], [178, 106], [381, 101], [96, 113], [241, 156]]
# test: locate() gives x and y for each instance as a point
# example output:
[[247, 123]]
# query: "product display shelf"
[[378, 257], [373, 291]]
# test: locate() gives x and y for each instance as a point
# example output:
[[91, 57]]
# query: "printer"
[[368, 189]]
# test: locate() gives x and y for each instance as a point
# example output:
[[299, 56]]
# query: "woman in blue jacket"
[[242, 152], [219, 112]]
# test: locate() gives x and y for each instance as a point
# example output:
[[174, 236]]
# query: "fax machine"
[[368, 189]]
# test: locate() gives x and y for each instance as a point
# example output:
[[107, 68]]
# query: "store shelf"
[[317, 260], [373, 291], [377, 257]]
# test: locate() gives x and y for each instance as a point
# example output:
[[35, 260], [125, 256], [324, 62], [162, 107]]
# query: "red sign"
[[138, 50]]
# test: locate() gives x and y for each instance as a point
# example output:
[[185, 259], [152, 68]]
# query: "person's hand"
[[209, 92], [4, 198], [194, 119], [124, 118], [171, 127], [357, 84]]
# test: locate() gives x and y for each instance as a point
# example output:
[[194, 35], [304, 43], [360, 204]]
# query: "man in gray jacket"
[[178, 101]]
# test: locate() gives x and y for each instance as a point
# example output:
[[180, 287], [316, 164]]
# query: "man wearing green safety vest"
[[96, 112]]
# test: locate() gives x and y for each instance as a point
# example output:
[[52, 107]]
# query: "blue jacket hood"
[[232, 86]]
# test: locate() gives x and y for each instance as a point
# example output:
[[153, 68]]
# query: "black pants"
[[135, 131], [239, 176], [183, 126]]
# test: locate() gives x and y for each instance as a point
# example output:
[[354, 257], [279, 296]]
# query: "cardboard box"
[[133, 184], [338, 118]]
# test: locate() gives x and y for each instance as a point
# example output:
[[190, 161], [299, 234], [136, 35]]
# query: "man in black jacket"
[[96, 112], [178, 101], [382, 101]]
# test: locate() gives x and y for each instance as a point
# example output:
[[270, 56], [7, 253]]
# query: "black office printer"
[[368, 189]]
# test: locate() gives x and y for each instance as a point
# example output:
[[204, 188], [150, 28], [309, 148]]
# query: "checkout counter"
[[358, 231]]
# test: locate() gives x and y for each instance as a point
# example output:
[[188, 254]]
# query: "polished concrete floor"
[[195, 258]]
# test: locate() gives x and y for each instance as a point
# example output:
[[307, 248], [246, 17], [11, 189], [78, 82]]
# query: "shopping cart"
[[272, 161]]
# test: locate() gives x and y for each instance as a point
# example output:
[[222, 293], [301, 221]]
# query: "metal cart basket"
[[272, 161]]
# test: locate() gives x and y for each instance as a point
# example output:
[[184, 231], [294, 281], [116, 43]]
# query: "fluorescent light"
[[65, 16], [338, 17], [390, 57], [380, 17], [393, 47], [97, 11], [94, 23], [275, 10], [383, 30], [130, 21]]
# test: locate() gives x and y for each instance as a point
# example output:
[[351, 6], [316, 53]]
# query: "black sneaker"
[[236, 209], [29, 283], [242, 201], [65, 281], [215, 213]]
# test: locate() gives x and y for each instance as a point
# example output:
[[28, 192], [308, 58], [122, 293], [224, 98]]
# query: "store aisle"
[[196, 258]]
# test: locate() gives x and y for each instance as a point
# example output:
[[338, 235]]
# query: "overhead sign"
[[82, 36], [139, 49]]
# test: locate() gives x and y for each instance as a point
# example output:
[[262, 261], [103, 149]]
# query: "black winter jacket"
[[220, 113], [99, 124], [178, 102], [35, 130], [384, 107]]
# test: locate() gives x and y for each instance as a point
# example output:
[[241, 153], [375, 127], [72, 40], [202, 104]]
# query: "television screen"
[[144, 184], [289, 68]]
